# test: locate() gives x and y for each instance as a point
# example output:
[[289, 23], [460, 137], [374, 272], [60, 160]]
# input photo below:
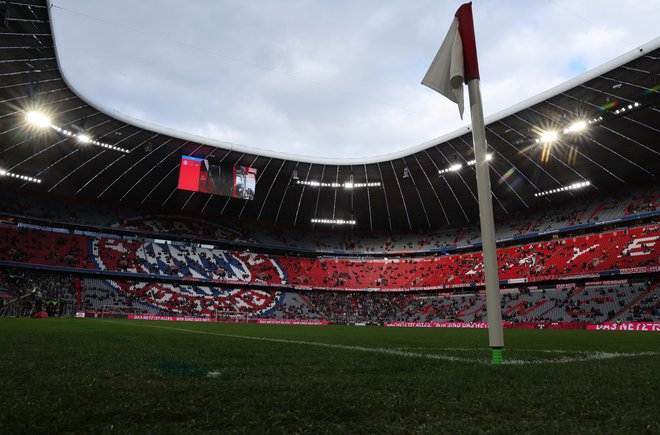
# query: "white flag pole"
[[494, 309], [455, 62]]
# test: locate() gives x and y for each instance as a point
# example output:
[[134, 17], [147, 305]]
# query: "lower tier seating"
[[626, 300]]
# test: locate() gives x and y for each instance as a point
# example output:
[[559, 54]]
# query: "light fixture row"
[[87, 139], [580, 125], [39, 119], [574, 186], [624, 108], [457, 166], [5, 173], [552, 135], [347, 185], [452, 168], [333, 221], [489, 157]]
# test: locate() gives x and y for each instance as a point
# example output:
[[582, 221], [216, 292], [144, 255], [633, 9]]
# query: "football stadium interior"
[[306, 260]]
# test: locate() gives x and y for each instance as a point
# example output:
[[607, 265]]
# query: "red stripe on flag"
[[466, 30]]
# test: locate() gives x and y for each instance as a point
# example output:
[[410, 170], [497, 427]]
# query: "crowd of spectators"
[[631, 248], [637, 247], [41, 247], [591, 209], [139, 297], [624, 300]]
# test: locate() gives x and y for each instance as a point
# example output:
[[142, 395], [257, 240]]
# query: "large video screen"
[[201, 175]]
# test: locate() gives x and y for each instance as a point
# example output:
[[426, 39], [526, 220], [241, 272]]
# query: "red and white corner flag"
[[455, 64], [456, 61]]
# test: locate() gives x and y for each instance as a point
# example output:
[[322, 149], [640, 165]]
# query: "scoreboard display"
[[201, 175]]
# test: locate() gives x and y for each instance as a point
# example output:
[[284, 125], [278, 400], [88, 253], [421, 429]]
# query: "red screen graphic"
[[189, 175]]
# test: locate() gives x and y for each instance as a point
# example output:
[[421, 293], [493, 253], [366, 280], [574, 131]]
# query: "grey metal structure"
[[619, 148]]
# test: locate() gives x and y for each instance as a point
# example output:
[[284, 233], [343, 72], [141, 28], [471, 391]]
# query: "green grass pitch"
[[92, 375]]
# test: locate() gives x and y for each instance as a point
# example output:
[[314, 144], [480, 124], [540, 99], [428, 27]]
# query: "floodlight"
[[84, 138], [549, 136], [455, 167], [576, 127], [37, 119]]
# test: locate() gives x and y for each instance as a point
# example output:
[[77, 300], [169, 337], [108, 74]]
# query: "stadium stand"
[[587, 302], [33, 291], [631, 250], [596, 209], [163, 264], [135, 297]]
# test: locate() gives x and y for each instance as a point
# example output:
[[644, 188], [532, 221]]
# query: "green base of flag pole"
[[497, 356]]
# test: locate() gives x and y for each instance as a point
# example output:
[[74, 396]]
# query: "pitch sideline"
[[592, 356]]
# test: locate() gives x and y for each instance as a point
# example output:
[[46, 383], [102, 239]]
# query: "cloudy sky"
[[330, 78]]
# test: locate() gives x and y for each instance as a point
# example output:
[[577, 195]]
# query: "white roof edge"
[[157, 128]]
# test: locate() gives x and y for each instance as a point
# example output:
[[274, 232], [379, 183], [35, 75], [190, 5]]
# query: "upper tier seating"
[[582, 210]]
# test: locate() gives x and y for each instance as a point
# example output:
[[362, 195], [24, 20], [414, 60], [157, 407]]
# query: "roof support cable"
[[387, 205], [302, 192], [444, 212], [403, 199]]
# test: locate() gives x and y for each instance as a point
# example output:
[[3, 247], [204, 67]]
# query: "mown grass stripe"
[[591, 356]]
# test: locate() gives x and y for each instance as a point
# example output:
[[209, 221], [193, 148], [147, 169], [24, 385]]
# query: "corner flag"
[[456, 62]]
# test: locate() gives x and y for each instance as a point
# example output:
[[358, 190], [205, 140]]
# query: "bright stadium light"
[[489, 157], [84, 138], [574, 186], [453, 168], [37, 118], [333, 221], [548, 136], [6, 173], [576, 127], [346, 185], [87, 139]]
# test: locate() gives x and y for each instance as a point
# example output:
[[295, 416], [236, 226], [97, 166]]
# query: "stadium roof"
[[617, 102]]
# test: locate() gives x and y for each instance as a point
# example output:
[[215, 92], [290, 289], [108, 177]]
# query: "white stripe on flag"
[[445, 75]]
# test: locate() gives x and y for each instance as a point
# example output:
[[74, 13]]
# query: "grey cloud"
[[326, 78]]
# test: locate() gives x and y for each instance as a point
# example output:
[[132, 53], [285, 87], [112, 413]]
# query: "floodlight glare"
[[3, 172], [84, 138], [455, 167], [576, 127], [37, 119], [549, 136]]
